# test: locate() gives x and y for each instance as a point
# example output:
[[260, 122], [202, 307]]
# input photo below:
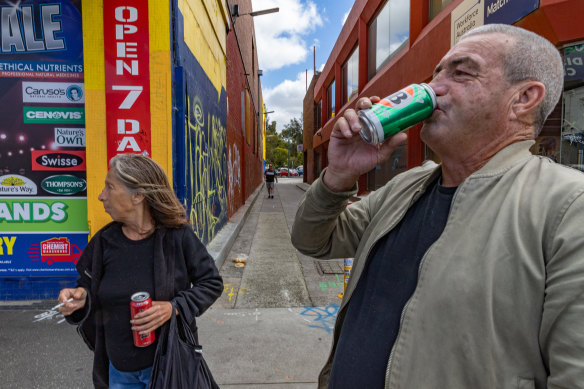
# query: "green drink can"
[[397, 113]]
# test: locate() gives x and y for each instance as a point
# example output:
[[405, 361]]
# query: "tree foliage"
[[280, 145]]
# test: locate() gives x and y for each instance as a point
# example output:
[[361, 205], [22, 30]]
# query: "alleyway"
[[272, 326]]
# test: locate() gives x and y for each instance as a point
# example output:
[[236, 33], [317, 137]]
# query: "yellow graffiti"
[[206, 150], [231, 291]]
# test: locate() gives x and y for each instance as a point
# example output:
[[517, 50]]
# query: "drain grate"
[[329, 266]]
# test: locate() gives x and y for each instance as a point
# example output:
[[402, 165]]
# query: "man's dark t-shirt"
[[389, 278], [270, 175]]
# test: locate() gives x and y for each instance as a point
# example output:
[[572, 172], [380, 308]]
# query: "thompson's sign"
[[64, 184], [127, 78]]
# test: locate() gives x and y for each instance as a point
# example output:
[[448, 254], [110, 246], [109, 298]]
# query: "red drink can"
[[140, 302]]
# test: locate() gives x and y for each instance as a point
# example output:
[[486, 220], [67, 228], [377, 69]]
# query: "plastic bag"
[[178, 362]]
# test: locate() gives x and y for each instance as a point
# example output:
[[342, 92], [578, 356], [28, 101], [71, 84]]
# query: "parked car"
[[277, 172], [283, 172], [300, 169], [294, 173]]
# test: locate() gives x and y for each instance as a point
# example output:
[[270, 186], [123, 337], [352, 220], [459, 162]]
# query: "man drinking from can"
[[467, 274]]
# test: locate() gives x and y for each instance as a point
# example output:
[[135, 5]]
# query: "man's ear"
[[529, 98]]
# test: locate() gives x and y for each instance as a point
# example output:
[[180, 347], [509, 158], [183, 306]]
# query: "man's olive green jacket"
[[499, 301]]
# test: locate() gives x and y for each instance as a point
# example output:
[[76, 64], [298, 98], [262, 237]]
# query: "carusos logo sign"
[[50, 160]]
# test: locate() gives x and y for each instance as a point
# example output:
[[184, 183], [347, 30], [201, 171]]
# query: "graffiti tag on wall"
[[206, 168], [234, 170]]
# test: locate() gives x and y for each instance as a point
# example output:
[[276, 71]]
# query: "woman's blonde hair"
[[144, 176]]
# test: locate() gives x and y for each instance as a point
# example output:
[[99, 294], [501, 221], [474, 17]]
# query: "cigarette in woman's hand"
[[61, 304]]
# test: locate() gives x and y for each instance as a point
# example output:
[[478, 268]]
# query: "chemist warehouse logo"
[[54, 115], [53, 92]]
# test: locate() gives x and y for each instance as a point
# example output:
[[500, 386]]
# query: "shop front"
[[43, 187]]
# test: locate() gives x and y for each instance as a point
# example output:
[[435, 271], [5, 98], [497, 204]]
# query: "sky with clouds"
[[285, 42]]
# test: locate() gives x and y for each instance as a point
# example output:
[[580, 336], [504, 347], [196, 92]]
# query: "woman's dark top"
[[184, 273], [127, 269]]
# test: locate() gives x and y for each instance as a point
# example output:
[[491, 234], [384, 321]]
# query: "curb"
[[303, 185], [221, 244]]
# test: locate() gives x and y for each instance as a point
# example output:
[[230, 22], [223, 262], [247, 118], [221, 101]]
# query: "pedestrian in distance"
[[270, 176], [470, 273], [149, 247]]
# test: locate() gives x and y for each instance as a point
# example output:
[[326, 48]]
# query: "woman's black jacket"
[[184, 272]]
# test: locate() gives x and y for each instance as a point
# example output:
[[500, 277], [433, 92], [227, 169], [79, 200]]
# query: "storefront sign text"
[[127, 79]]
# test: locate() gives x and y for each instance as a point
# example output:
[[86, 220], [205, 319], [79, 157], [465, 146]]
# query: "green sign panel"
[[54, 115], [64, 184], [43, 214]]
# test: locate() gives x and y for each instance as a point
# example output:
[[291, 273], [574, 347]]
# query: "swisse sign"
[[54, 115], [53, 92], [57, 160], [127, 76], [63, 185]]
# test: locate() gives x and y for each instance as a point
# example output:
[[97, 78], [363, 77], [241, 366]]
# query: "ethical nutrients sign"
[[127, 76]]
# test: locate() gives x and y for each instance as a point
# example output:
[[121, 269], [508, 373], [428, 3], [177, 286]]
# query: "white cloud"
[[286, 99], [280, 36], [345, 17]]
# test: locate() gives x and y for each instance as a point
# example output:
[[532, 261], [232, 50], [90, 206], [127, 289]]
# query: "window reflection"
[[572, 139], [388, 32], [351, 76], [436, 6], [330, 96], [317, 115]]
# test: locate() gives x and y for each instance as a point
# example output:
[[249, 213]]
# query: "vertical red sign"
[[127, 76]]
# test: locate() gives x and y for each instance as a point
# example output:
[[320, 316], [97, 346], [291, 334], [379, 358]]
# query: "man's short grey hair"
[[530, 57]]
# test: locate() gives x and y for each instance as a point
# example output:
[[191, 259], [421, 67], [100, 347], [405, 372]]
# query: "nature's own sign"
[[127, 76]]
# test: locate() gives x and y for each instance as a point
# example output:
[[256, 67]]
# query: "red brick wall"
[[244, 157]]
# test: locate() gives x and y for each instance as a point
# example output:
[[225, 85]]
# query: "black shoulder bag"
[[179, 362]]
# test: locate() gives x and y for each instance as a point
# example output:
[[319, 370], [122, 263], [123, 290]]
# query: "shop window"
[[350, 76], [572, 139], [330, 104], [436, 6], [388, 33], [318, 115]]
